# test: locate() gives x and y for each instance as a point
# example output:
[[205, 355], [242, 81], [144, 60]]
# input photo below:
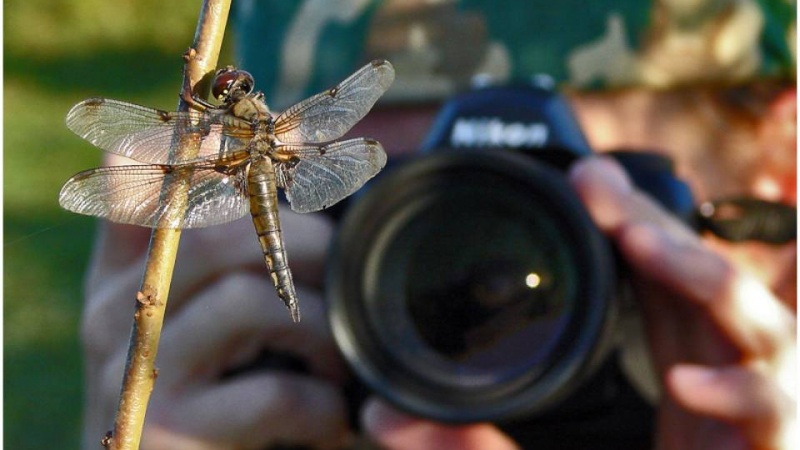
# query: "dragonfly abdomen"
[[261, 185]]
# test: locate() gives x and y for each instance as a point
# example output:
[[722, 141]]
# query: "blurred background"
[[56, 54]]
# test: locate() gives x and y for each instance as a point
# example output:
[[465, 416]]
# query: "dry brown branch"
[[151, 300]]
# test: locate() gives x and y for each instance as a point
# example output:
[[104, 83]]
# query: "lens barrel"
[[472, 286]]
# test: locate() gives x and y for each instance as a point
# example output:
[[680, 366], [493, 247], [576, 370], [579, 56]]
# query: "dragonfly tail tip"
[[295, 313]]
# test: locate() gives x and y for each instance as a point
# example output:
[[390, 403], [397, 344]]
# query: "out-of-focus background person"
[[675, 78]]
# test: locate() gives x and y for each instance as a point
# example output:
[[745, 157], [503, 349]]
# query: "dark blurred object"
[[749, 219]]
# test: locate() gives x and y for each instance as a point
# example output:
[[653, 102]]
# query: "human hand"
[[724, 345], [222, 314]]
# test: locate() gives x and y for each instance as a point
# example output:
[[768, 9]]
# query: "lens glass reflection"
[[474, 285]]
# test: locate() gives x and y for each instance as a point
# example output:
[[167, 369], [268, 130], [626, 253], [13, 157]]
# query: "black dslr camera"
[[469, 283]]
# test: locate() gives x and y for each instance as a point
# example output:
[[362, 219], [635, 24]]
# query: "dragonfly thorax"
[[251, 108]]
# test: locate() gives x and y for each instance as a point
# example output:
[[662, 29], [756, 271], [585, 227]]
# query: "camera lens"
[[471, 286]]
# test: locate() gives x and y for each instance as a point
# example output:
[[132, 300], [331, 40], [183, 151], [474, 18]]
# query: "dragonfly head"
[[231, 85]]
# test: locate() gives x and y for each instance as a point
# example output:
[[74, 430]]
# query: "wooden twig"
[[151, 300]]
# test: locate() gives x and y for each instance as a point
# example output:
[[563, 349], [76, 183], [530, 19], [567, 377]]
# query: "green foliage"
[[56, 54]]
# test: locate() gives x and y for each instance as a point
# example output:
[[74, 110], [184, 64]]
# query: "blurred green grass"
[[57, 53]]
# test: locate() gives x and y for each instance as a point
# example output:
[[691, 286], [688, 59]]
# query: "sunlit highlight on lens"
[[533, 280]]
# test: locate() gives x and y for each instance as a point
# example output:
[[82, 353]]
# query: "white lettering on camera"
[[493, 132]]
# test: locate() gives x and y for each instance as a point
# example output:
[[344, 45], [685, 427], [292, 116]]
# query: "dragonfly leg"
[[186, 92], [193, 100]]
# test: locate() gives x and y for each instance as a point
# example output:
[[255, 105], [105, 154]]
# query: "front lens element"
[[478, 282], [471, 286]]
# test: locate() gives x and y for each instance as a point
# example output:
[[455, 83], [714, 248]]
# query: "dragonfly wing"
[[319, 176], [131, 195], [328, 115], [151, 135]]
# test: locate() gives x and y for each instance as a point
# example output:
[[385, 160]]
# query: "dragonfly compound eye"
[[223, 81], [231, 84]]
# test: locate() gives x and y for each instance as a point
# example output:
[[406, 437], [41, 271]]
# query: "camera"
[[468, 283]]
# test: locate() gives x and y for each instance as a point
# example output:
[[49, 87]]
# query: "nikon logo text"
[[493, 132]]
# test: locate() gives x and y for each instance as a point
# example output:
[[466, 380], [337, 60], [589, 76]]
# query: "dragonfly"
[[243, 153]]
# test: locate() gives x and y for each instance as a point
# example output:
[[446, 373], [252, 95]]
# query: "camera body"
[[468, 283]]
